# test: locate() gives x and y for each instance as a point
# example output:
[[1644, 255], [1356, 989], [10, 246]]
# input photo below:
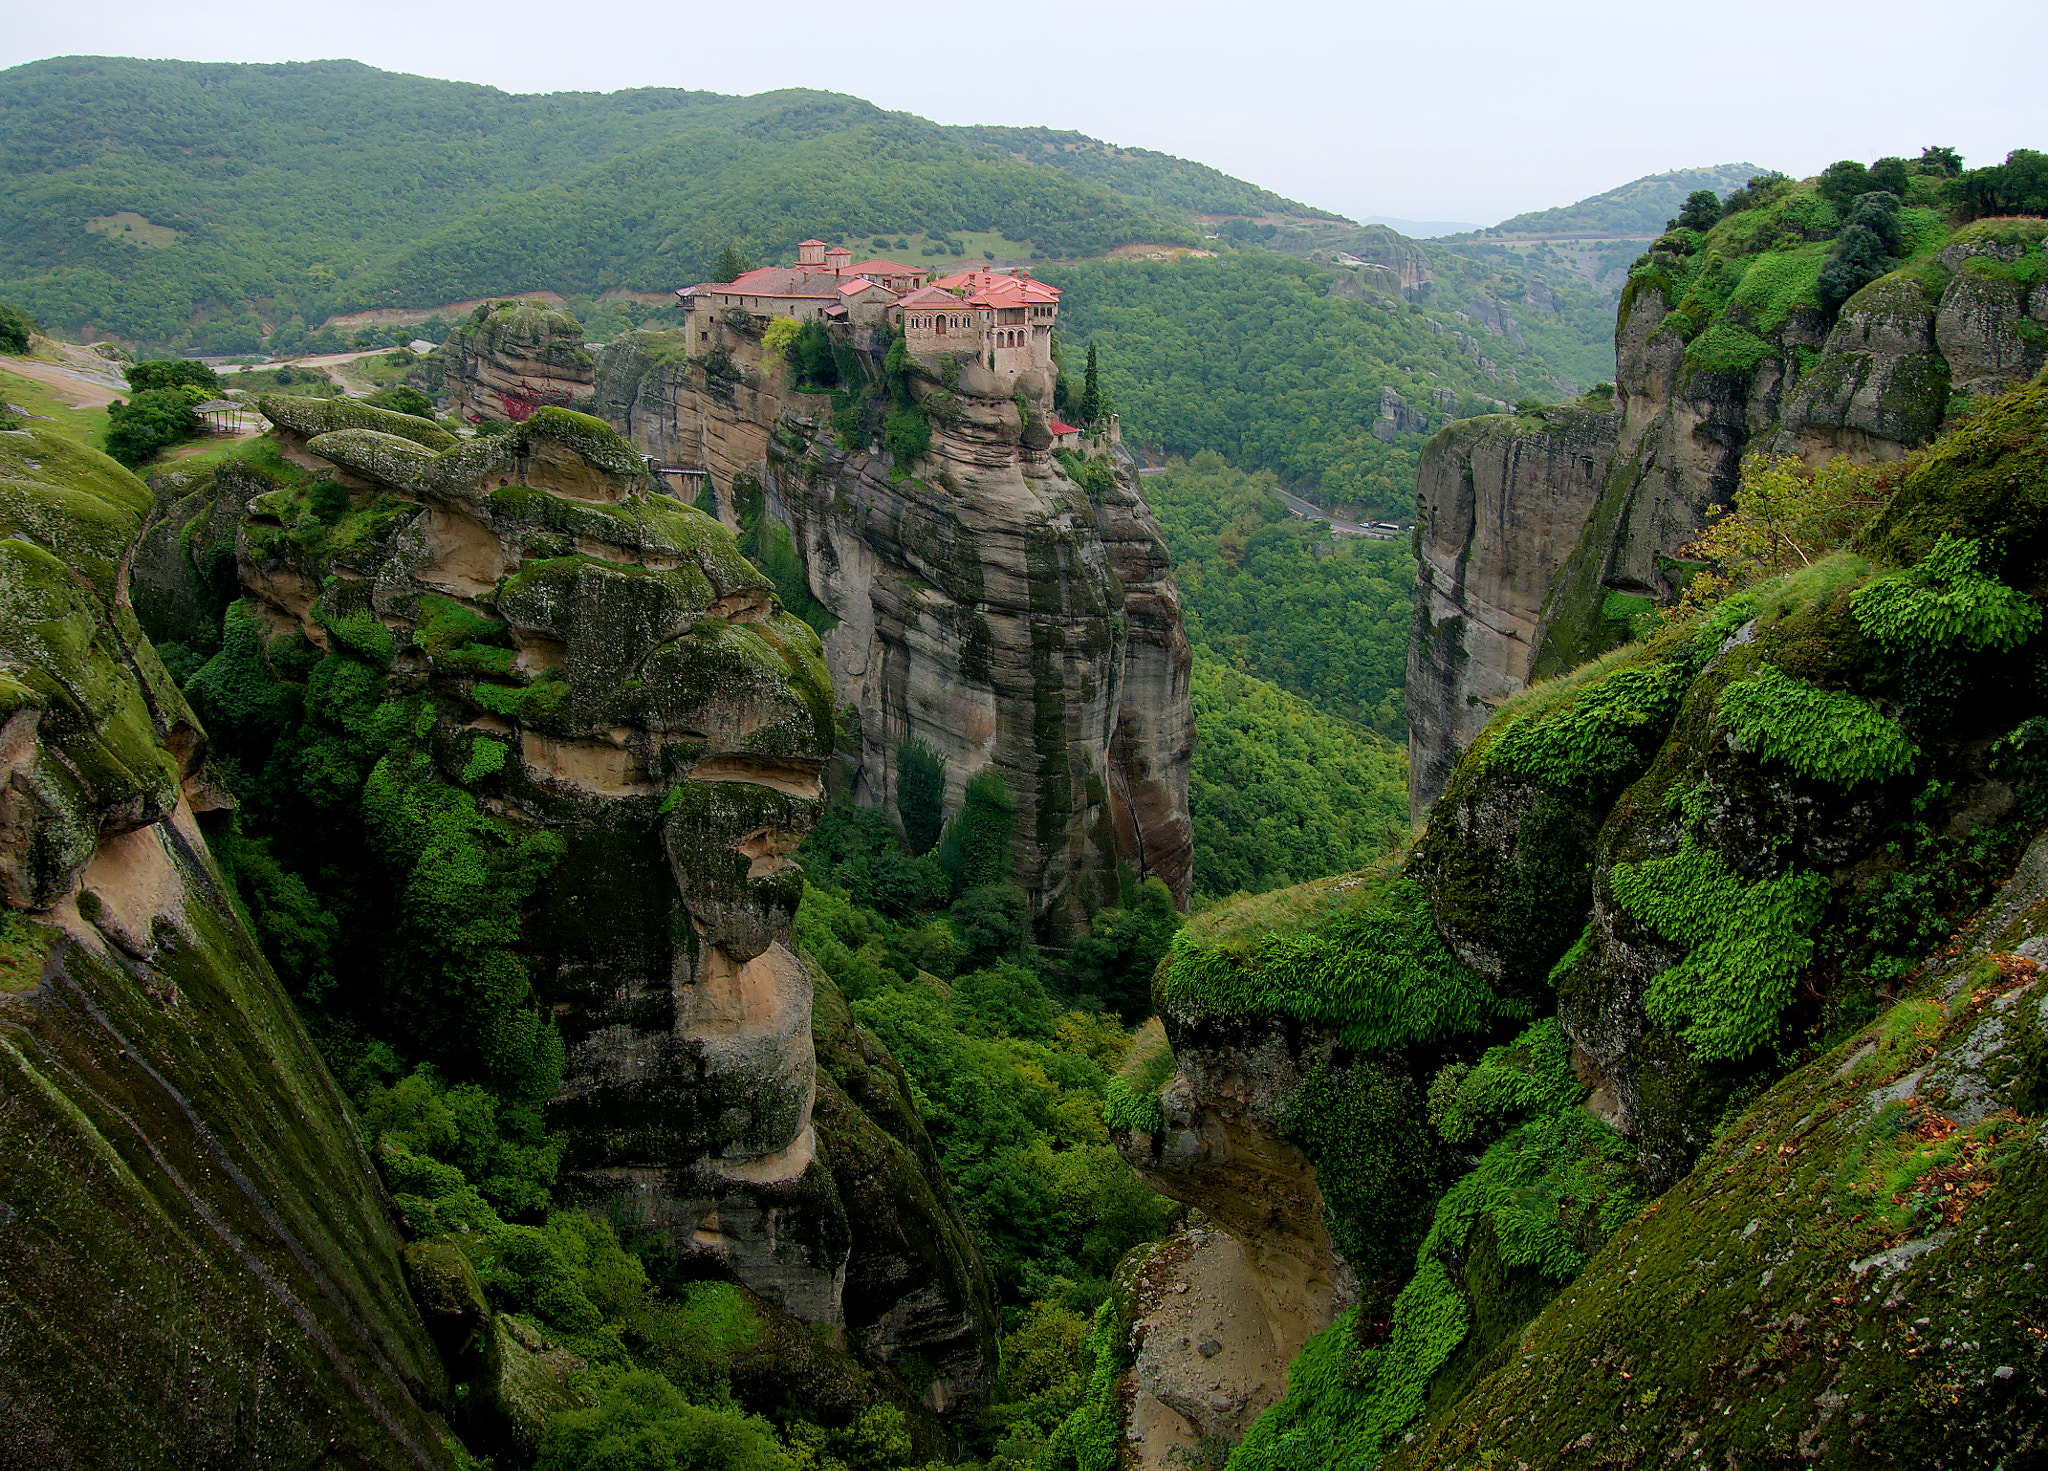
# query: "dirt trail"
[[82, 392]]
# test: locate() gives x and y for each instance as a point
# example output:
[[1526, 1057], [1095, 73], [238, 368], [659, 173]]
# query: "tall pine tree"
[[732, 264], [1091, 392]]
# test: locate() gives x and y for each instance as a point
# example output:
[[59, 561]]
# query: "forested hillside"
[[1300, 644], [1637, 208], [1281, 364], [189, 205]]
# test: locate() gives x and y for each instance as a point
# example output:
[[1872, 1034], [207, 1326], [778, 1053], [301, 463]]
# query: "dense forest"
[[189, 205], [1265, 360]]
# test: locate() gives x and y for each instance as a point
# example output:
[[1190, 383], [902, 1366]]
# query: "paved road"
[[1312, 512]]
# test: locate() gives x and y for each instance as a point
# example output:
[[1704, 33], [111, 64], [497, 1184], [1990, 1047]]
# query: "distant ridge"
[[1422, 229], [1637, 208]]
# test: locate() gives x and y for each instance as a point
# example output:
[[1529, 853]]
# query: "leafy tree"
[[1859, 258], [1878, 212], [992, 921], [1945, 162], [2019, 186], [1122, 948], [1892, 174], [814, 356], [172, 373], [779, 340], [641, 1422], [402, 400], [1785, 516], [732, 264], [149, 423], [16, 327], [1842, 181], [1702, 209], [920, 794]]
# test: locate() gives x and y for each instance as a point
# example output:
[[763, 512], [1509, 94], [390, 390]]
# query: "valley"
[[779, 808]]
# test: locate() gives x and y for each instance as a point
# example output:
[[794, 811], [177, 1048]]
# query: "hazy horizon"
[[1512, 110]]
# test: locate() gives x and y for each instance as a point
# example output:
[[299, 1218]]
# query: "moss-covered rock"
[[199, 1262], [311, 417], [1846, 1278]]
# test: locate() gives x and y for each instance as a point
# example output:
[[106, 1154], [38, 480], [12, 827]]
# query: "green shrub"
[[1596, 735], [1747, 943], [1530, 1075], [641, 1422], [1947, 602], [1830, 735]]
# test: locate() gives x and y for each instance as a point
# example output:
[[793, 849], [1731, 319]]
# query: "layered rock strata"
[[636, 693], [197, 1265], [985, 604], [1872, 383]]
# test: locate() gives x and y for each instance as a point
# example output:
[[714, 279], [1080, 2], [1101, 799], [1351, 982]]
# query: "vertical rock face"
[[1499, 504], [512, 357], [1872, 384], [986, 605], [196, 1264], [1222, 1312], [640, 696]]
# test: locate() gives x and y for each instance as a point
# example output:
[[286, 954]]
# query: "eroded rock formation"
[[1695, 394], [1499, 504], [985, 604], [610, 679], [199, 1267]]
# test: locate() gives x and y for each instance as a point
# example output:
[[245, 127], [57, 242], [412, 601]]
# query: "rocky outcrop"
[[1693, 1057], [1223, 1307], [981, 601], [1397, 416], [199, 1264], [512, 357], [1499, 504], [1705, 375], [596, 666]]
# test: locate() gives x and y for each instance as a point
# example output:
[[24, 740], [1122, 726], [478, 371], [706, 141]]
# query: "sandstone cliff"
[[1499, 504], [1681, 1086], [514, 673], [199, 1266], [1721, 351], [979, 600], [510, 358]]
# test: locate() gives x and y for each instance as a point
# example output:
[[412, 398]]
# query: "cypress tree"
[[731, 264], [1091, 391]]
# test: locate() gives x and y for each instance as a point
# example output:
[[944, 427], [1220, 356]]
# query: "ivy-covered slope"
[[1649, 1082], [1809, 322], [196, 1259]]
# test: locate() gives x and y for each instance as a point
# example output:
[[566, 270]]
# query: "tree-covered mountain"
[[190, 205], [1285, 364], [1638, 208], [1172, 183]]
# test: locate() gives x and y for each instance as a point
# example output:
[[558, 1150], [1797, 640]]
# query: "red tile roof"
[[884, 268], [1058, 428], [810, 242], [995, 290]]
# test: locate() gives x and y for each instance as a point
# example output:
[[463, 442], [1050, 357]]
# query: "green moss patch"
[[1747, 943], [1377, 970], [1830, 735]]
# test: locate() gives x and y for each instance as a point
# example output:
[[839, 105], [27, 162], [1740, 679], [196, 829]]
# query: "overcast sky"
[[1441, 111]]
